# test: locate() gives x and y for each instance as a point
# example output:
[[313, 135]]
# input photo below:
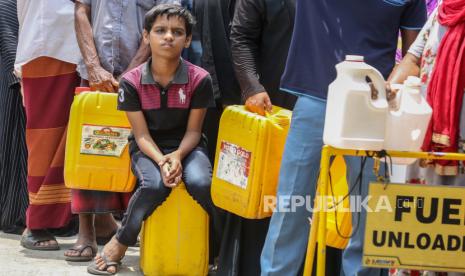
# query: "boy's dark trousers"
[[151, 192]]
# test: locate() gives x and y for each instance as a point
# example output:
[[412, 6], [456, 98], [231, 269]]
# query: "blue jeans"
[[151, 192], [287, 237]]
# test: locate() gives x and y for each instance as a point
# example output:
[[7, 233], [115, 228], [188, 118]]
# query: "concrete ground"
[[18, 261]]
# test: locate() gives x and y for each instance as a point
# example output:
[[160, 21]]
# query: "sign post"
[[450, 211]]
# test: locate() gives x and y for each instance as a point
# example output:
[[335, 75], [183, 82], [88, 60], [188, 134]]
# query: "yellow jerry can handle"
[[280, 118]]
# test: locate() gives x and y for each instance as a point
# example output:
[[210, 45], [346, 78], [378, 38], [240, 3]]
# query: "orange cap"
[[79, 90]]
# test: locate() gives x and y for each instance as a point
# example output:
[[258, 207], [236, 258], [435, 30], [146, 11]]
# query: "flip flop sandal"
[[80, 249], [32, 238], [93, 269]]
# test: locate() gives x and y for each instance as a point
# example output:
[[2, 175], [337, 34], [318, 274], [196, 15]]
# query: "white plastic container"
[[355, 119], [406, 127]]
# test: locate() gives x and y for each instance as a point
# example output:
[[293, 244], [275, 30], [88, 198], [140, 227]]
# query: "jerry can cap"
[[413, 81], [80, 89]]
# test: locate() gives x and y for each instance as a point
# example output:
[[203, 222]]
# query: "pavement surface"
[[18, 261]]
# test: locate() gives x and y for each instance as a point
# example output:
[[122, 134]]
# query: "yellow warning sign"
[[416, 227]]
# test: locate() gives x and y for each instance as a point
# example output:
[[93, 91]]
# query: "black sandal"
[[32, 238]]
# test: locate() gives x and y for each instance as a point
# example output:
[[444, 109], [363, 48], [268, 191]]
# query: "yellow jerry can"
[[97, 156], [338, 237], [175, 237], [248, 158]]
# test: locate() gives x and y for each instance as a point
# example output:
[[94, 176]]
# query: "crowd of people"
[[176, 64]]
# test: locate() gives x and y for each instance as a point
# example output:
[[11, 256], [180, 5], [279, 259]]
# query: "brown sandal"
[[80, 249]]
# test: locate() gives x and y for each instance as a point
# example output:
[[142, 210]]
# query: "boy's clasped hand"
[[171, 169]]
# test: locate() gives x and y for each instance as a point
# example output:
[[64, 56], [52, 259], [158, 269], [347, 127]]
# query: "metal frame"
[[318, 230]]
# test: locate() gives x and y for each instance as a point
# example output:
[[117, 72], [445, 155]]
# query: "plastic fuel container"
[[96, 156], [356, 112], [406, 126], [174, 238], [248, 159]]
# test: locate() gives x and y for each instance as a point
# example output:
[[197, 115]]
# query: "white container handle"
[[380, 85]]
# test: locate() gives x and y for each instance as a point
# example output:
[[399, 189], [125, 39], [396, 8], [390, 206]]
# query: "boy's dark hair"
[[169, 10]]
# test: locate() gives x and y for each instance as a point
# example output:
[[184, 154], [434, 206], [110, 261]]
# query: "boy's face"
[[167, 38]]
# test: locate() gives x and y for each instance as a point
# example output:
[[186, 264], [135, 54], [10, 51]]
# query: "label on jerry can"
[[104, 140], [234, 164]]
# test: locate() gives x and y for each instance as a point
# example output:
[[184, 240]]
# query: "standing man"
[[46, 60], [13, 151], [261, 33], [325, 31], [260, 36], [109, 34]]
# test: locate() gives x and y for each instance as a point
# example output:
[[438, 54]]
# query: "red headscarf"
[[447, 85]]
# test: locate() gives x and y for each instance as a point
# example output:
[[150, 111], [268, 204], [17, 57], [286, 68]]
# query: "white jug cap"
[[354, 58], [396, 86], [413, 81]]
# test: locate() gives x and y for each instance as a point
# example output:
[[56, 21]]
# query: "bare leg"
[[86, 236]]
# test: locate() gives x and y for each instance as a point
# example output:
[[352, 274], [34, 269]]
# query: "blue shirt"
[[327, 30]]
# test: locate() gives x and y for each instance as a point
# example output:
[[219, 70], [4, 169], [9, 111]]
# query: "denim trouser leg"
[[197, 176], [287, 236], [352, 257], [150, 193]]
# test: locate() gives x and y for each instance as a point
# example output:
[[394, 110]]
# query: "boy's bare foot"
[[113, 252]]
